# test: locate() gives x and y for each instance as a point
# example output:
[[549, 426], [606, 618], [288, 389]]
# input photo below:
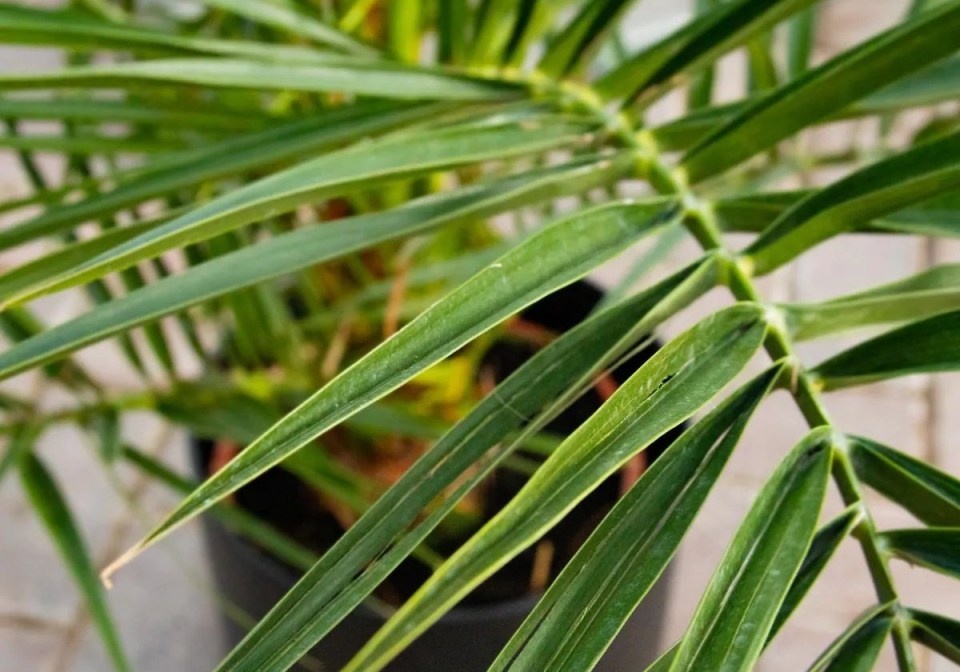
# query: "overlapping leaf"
[[292, 251], [827, 89], [71, 29], [825, 543], [287, 17], [347, 572], [581, 36], [161, 176], [697, 43], [936, 84], [327, 175], [669, 388], [575, 244], [585, 607]]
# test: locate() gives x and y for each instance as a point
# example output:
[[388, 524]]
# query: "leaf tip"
[[106, 575]]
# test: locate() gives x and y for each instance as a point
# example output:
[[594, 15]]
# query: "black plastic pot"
[[469, 637]]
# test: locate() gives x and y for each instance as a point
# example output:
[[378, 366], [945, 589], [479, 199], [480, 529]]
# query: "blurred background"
[[164, 604]]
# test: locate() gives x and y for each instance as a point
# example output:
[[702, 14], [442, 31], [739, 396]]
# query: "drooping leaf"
[[347, 572], [936, 632], [929, 494], [882, 188], [330, 174], [735, 615], [132, 111], [695, 44], [667, 389], [292, 251], [578, 617], [930, 292], [827, 89], [50, 506], [857, 649], [936, 548], [925, 346], [576, 245], [341, 74], [825, 543]]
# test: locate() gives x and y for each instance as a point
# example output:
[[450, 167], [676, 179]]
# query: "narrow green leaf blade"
[[666, 390], [936, 632], [936, 548], [936, 290], [931, 495], [827, 89], [132, 111], [694, 45], [924, 346], [19, 443], [737, 611], [857, 649], [581, 613], [295, 250], [825, 543], [579, 38], [375, 544], [62, 260], [285, 16], [880, 189], [342, 74], [330, 174], [49, 504]]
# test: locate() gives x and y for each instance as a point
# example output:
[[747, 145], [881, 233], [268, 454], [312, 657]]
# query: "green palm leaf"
[[289, 252], [578, 617], [364, 555], [328, 175], [53, 510], [827, 89], [666, 390], [519, 278], [737, 611]]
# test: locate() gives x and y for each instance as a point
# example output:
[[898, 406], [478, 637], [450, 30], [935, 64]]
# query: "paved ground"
[[163, 602]]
